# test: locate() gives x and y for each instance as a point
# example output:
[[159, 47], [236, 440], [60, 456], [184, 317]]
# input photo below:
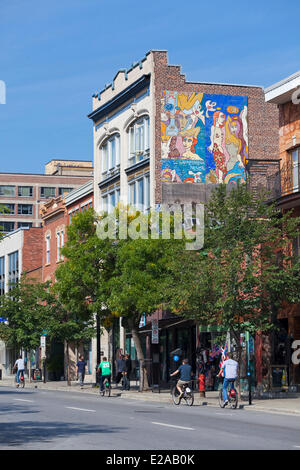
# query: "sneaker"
[[181, 395], [225, 403]]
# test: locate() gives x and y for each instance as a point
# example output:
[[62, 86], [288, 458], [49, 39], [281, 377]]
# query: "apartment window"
[[7, 190], [8, 209], [13, 269], [2, 275], [295, 169], [139, 193], [24, 224], [48, 192], [60, 244], [64, 190], [86, 206], [48, 249], [139, 140], [25, 209], [7, 226], [110, 200], [110, 153], [25, 191]]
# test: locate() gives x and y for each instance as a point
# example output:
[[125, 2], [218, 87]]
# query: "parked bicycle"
[[188, 394]]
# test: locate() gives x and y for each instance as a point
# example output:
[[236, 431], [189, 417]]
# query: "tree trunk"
[[144, 384], [68, 366]]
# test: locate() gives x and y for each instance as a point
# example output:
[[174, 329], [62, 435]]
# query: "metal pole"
[[248, 369]]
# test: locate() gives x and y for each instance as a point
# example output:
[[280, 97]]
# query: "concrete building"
[[23, 194], [286, 96], [20, 253]]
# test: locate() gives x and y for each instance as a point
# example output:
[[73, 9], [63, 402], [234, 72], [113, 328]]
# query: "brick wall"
[[263, 118], [32, 252]]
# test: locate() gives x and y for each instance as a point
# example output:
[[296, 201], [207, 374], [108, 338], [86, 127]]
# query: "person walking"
[[127, 372], [19, 366], [81, 368], [121, 368]]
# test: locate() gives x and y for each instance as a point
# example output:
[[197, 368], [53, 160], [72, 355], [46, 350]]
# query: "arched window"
[[139, 140], [110, 154]]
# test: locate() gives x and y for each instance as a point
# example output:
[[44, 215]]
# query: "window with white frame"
[[110, 154], [48, 249], [139, 140], [139, 193], [60, 244], [110, 199]]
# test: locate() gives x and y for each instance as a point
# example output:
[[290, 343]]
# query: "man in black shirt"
[[81, 368], [185, 371]]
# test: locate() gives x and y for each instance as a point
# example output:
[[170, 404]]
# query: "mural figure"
[[204, 137]]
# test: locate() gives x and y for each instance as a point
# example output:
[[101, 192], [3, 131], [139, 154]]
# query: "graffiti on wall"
[[204, 137]]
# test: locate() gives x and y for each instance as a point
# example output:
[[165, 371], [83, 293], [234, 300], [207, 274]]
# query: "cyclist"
[[19, 365], [105, 369], [185, 371], [230, 368]]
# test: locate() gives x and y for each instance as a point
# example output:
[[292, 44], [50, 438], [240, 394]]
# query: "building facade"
[[20, 254], [160, 139], [22, 195], [285, 95]]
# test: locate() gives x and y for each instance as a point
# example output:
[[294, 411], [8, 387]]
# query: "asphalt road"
[[36, 419]]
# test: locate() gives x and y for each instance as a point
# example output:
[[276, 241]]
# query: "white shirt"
[[230, 369], [20, 364]]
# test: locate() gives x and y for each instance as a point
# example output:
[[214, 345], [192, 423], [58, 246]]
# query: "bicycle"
[[232, 397], [188, 395], [107, 388], [21, 379]]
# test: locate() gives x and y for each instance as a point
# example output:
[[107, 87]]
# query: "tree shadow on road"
[[27, 432]]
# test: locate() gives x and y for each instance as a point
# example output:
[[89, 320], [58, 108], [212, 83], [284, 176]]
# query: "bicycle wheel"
[[221, 401], [175, 396], [233, 402], [107, 390], [189, 398]]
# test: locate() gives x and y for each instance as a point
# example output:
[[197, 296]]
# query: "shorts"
[[183, 382]]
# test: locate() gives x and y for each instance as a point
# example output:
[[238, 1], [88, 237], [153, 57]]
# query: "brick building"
[[20, 253], [160, 139], [285, 95], [23, 194], [56, 215]]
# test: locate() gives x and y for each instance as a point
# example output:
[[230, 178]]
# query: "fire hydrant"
[[201, 380]]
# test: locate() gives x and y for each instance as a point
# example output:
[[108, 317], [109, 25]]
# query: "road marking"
[[297, 447], [80, 409], [173, 426], [21, 399]]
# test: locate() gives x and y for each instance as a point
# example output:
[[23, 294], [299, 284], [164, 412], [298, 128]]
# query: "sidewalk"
[[282, 405]]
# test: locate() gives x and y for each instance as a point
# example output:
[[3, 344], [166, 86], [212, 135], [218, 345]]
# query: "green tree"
[[236, 280], [26, 313], [81, 281]]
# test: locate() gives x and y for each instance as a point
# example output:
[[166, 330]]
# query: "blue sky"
[[55, 55]]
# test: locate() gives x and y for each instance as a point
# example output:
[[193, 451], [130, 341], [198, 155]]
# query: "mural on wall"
[[204, 137]]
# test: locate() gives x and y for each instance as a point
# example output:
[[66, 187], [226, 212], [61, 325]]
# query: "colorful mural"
[[204, 137]]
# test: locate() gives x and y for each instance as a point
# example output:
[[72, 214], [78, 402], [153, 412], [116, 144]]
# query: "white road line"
[[80, 409], [173, 426], [297, 447], [21, 399]]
